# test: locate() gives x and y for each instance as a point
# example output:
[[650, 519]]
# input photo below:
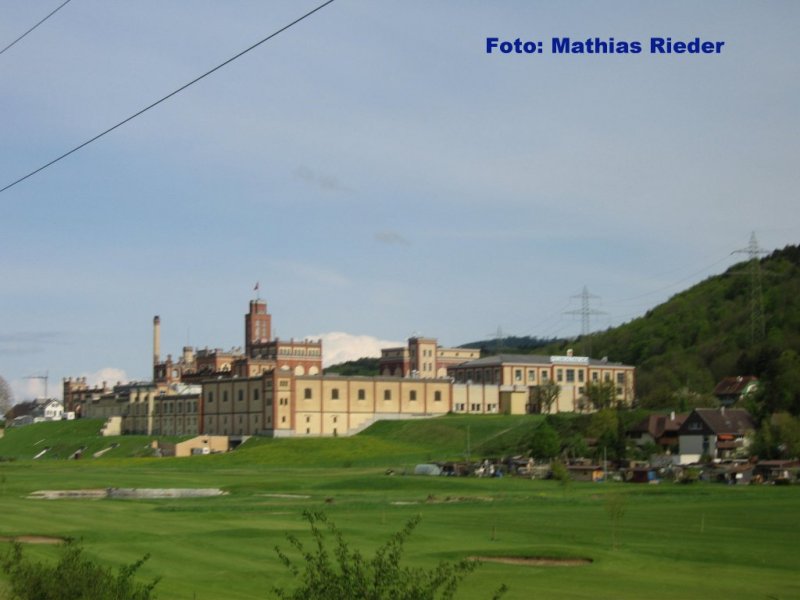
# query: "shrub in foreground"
[[344, 573], [73, 577]]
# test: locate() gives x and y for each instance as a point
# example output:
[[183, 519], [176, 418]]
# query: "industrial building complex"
[[277, 388]]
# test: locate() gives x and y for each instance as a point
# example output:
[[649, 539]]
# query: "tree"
[[545, 442], [615, 506], [543, 396], [345, 573], [73, 576], [6, 398], [601, 394]]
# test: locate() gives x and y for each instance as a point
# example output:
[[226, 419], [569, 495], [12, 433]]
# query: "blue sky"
[[376, 171]]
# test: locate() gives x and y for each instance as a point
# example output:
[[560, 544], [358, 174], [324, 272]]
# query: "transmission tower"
[[586, 312], [498, 337], [757, 324]]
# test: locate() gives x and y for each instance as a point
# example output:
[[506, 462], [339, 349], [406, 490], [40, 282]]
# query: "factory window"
[[387, 394], [225, 396], [335, 394], [437, 396], [255, 394], [362, 395], [412, 395], [307, 394], [240, 395], [210, 397]]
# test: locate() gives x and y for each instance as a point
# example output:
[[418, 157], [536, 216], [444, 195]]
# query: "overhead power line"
[[168, 96], [62, 5]]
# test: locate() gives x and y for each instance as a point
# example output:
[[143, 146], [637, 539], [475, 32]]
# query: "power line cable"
[[168, 96], [62, 5]]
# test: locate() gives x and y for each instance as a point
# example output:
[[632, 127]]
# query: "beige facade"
[[423, 358], [571, 373], [285, 404]]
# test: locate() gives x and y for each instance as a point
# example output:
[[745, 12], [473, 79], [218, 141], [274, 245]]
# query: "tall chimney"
[[156, 339]]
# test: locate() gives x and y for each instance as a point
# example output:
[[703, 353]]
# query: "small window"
[[225, 396], [335, 394], [307, 394], [570, 375], [210, 397], [240, 395], [255, 394], [412, 395], [437, 396], [387, 394], [559, 374], [362, 395], [620, 378]]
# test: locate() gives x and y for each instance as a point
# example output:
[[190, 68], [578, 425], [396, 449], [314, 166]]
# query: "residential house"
[[716, 433], [731, 390]]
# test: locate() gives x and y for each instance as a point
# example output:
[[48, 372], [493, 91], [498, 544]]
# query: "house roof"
[[658, 425], [531, 359], [735, 421], [734, 386]]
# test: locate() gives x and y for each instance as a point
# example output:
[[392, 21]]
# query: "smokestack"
[[156, 339]]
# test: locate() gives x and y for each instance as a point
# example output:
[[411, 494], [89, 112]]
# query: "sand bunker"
[[32, 539], [535, 561], [126, 493]]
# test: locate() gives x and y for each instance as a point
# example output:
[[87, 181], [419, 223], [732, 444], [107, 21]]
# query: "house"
[[778, 470], [592, 473], [732, 389], [714, 433], [661, 430]]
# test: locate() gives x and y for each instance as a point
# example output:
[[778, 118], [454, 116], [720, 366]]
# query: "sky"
[[375, 171]]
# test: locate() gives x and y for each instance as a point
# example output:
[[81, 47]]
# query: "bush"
[[74, 577], [347, 574]]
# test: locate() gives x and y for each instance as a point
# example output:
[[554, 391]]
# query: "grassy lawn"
[[672, 541]]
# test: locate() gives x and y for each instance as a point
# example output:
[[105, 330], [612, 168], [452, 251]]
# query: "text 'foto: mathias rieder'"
[[596, 45]]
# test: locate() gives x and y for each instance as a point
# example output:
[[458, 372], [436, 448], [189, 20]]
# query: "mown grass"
[[673, 541]]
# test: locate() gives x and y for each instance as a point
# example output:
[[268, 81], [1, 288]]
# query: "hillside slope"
[[704, 334]]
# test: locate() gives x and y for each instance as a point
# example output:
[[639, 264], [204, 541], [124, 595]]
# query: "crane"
[[42, 378]]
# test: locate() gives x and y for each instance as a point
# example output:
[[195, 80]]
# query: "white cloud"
[[111, 375], [338, 346]]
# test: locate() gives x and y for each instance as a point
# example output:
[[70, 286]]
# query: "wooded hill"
[[684, 346]]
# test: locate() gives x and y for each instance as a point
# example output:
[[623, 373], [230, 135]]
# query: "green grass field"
[[674, 541]]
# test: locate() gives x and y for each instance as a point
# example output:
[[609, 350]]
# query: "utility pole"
[[757, 323], [585, 311]]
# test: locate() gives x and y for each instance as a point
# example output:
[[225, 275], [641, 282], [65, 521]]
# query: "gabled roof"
[[733, 421], [734, 386], [658, 425]]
